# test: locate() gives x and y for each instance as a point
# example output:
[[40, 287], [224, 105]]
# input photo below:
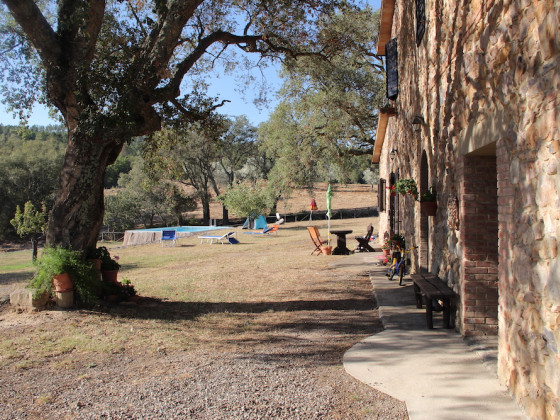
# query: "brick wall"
[[479, 237]]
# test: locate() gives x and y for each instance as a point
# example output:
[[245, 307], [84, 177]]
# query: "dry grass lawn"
[[263, 295], [193, 295]]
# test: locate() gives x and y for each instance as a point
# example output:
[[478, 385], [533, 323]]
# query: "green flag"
[[329, 198]]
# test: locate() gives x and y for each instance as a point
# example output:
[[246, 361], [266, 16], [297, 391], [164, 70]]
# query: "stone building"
[[474, 109]]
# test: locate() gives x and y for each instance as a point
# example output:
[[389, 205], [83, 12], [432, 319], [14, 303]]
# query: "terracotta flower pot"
[[387, 252], [429, 207], [96, 263], [110, 275], [62, 283], [327, 250]]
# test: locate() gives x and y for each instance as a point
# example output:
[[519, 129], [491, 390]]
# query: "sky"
[[224, 87]]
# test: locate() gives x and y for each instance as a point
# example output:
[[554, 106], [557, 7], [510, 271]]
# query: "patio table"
[[341, 248]]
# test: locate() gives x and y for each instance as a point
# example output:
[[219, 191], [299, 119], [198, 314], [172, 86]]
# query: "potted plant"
[[63, 270], [109, 266], [115, 292], [396, 240], [386, 248], [428, 202], [94, 255], [391, 188], [406, 186]]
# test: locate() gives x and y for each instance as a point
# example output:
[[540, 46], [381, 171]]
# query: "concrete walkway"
[[437, 373]]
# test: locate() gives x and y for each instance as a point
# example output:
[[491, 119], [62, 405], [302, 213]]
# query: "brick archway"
[[479, 237]]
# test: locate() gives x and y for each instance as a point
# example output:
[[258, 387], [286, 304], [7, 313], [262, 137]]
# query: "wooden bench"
[[431, 287]]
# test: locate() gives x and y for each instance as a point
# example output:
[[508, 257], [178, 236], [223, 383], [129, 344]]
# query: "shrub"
[[58, 260]]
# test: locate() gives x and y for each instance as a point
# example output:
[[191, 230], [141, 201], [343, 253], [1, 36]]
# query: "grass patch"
[[196, 296]]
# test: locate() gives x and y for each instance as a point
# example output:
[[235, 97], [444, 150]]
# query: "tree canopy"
[[335, 102], [328, 114], [112, 68]]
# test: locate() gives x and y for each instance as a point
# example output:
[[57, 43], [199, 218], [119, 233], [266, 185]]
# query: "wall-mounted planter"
[[428, 207]]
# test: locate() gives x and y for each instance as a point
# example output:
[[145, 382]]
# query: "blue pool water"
[[193, 229]]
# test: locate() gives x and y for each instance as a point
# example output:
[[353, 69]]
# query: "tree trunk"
[[205, 201], [225, 215], [77, 214], [34, 246]]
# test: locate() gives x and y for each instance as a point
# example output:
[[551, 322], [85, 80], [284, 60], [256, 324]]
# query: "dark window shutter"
[[381, 194], [420, 20], [392, 69]]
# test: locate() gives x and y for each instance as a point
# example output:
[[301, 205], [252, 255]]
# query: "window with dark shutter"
[[391, 65], [381, 194], [420, 20]]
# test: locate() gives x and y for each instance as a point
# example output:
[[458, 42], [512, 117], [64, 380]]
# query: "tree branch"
[[79, 36], [138, 21], [161, 43], [28, 15], [171, 90], [196, 116]]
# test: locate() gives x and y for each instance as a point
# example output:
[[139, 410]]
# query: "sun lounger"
[[224, 239], [266, 231]]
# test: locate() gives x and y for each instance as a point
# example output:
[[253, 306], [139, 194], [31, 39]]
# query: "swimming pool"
[[193, 229], [146, 236]]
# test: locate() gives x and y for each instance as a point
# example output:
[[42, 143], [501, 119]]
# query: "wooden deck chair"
[[316, 238], [168, 235], [363, 241]]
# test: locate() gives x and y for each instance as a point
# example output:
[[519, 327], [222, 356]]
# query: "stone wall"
[[486, 80]]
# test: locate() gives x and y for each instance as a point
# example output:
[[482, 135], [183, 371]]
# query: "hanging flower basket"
[[428, 207], [428, 202], [406, 186], [388, 109]]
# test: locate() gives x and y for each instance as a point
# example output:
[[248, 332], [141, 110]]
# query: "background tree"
[[337, 101], [187, 153], [297, 156], [248, 199], [110, 67], [30, 161], [30, 224], [122, 211], [139, 199], [329, 110], [236, 145]]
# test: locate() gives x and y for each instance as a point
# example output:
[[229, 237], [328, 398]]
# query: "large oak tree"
[[111, 67]]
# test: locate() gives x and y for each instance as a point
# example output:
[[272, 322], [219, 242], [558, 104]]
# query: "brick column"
[[479, 237]]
